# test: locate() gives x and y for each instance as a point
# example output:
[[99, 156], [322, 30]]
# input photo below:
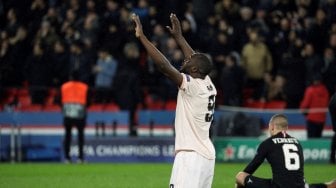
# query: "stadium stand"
[[107, 24]]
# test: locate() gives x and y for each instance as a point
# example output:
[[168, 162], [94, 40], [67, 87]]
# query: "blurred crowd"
[[274, 48]]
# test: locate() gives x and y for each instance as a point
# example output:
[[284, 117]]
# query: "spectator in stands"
[[232, 81], [280, 33], [70, 35], [54, 18], [111, 14], [257, 62], [219, 49], [160, 37], [127, 83], [175, 56], [13, 45], [293, 72], [74, 101], [60, 64], [80, 61], [329, 70], [46, 34], [77, 6], [6, 69], [329, 6], [332, 41], [112, 38], [208, 31], [105, 71], [201, 9], [190, 34], [190, 16], [228, 8], [312, 63], [332, 111], [90, 28], [318, 34], [12, 22], [38, 73], [241, 27], [91, 54], [274, 88], [316, 97], [91, 6], [15, 41], [38, 9], [312, 22], [142, 9], [71, 19]]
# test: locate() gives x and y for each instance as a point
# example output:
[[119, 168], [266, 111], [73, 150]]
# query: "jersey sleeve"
[[188, 84], [258, 158]]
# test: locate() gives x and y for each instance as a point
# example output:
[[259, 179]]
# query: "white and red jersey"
[[194, 114]]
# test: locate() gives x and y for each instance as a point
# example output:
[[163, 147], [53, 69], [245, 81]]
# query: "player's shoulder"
[[267, 141], [187, 77]]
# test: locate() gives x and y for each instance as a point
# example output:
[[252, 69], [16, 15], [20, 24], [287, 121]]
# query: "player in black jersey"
[[284, 153]]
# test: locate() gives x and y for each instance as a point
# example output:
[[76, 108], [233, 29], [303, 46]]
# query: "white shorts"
[[192, 170]]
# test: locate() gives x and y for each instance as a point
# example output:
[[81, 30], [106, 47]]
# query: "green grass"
[[136, 175]]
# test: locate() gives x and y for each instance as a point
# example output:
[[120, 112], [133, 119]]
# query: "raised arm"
[[159, 59], [176, 32]]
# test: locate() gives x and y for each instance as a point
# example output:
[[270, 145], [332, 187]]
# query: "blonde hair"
[[280, 121]]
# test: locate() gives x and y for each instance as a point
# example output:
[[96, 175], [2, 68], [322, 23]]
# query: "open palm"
[[175, 28], [138, 25]]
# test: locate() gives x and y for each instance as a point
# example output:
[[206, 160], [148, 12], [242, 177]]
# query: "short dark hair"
[[204, 63]]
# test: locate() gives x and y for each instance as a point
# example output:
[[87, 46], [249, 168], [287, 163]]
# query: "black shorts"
[[255, 182]]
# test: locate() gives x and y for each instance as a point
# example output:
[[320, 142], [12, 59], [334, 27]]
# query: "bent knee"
[[240, 178]]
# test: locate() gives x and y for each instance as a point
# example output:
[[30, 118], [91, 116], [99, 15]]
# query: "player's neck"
[[275, 132], [197, 75]]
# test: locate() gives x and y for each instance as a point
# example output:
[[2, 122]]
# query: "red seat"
[[111, 107], [96, 107], [23, 92], [154, 104], [10, 96], [24, 100], [247, 93], [52, 94], [23, 97], [254, 104], [30, 108], [170, 105], [52, 108], [276, 104]]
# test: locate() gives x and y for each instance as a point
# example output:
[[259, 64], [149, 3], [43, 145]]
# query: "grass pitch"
[[135, 175]]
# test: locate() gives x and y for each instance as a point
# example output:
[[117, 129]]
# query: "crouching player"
[[284, 153]]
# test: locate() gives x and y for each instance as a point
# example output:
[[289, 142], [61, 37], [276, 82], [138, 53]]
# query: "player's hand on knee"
[[240, 179]]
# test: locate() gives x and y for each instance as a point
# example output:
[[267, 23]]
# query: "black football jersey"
[[284, 154]]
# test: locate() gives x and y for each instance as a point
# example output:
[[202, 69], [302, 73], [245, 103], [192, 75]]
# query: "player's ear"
[[270, 126], [194, 69]]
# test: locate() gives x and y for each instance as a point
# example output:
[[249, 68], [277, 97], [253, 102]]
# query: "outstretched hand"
[[138, 26], [175, 29]]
